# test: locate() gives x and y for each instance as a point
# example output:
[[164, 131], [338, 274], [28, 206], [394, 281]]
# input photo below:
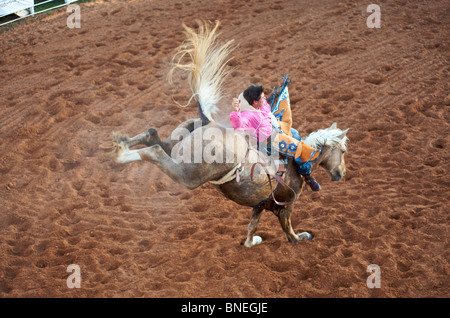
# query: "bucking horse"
[[201, 150]]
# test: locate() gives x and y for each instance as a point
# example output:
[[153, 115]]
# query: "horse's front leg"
[[252, 226], [284, 216]]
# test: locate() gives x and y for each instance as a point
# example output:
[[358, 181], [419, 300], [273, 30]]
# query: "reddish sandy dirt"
[[135, 233]]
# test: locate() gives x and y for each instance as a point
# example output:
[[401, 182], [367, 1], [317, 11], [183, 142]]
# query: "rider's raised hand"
[[236, 104]]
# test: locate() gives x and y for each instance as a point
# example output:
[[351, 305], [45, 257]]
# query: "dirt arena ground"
[[134, 233]]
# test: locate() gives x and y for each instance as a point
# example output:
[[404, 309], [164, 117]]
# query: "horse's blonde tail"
[[206, 61]]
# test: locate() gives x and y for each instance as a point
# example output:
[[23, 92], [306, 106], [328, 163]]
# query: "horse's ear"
[[343, 134], [333, 126]]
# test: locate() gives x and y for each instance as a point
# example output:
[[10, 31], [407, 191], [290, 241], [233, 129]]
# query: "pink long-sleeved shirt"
[[257, 123]]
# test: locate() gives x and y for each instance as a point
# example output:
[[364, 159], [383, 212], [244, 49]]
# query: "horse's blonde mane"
[[332, 136]]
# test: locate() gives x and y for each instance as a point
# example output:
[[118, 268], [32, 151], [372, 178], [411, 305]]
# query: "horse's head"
[[334, 144], [334, 163]]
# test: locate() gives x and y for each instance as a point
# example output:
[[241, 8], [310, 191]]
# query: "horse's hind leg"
[[284, 216], [252, 226], [148, 138], [151, 136], [190, 175]]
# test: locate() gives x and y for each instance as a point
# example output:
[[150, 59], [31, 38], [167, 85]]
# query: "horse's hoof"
[[256, 240], [113, 150], [107, 147], [305, 236], [119, 138]]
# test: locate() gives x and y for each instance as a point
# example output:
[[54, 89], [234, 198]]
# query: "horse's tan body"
[[191, 172], [248, 191]]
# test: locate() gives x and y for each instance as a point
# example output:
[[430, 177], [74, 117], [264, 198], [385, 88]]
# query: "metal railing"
[[25, 8]]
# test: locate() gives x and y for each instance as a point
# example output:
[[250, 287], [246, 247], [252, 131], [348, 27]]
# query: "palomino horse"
[[208, 152]]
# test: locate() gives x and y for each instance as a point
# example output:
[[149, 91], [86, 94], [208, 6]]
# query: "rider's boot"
[[313, 184]]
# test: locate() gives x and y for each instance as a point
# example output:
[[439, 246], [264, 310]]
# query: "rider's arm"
[[238, 120]]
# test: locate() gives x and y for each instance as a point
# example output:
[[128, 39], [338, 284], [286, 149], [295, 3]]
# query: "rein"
[[279, 180], [234, 174]]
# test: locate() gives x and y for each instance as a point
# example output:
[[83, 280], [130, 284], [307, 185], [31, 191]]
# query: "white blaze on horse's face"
[[334, 163]]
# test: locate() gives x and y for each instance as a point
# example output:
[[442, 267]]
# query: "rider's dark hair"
[[253, 93]]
